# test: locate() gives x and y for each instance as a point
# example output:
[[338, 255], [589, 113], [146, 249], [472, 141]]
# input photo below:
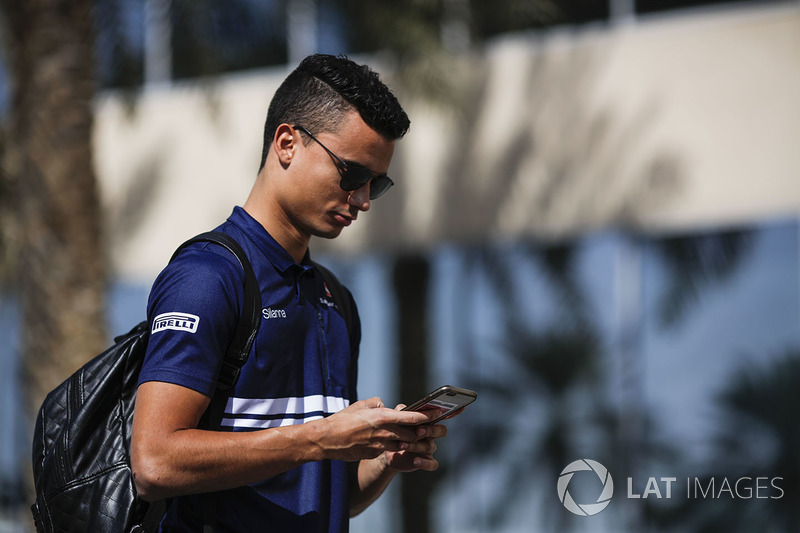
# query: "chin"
[[331, 233]]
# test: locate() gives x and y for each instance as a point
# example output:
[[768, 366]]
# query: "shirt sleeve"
[[192, 314]]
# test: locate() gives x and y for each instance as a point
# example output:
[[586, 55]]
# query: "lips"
[[344, 220]]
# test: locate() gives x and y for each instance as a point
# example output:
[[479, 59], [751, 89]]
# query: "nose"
[[359, 198]]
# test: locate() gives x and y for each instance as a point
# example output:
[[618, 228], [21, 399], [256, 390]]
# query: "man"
[[294, 450]]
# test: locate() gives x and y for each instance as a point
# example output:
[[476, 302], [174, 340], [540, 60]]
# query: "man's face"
[[313, 199]]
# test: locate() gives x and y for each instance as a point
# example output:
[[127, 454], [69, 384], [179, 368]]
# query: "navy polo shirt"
[[302, 367]]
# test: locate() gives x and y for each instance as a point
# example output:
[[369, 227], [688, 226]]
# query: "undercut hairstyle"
[[323, 89]]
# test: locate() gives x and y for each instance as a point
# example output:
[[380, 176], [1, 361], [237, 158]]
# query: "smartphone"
[[446, 397]]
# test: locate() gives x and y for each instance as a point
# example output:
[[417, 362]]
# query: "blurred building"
[[675, 121]]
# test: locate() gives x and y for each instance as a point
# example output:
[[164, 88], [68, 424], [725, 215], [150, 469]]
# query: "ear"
[[284, 143]]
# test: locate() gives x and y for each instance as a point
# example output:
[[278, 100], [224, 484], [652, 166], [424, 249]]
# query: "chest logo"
[[269, 312], [176, 321]]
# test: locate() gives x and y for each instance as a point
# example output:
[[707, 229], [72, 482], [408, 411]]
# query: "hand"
[[413, 452], [366, 429], [419, 454]]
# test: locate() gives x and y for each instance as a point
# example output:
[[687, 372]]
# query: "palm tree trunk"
[[61, 265]]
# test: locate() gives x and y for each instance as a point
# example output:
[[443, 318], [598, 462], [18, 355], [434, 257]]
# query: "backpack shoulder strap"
[[339, 293], [238, 350], [247, 328]]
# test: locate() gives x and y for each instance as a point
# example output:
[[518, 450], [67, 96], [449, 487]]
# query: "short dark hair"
[[322, 89]]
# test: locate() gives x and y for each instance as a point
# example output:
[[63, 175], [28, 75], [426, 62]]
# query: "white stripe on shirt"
[[309, 406]]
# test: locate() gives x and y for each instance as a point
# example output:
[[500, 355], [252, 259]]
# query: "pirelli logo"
[[176, 321]]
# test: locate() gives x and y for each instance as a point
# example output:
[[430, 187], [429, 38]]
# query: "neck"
[[291, 239]]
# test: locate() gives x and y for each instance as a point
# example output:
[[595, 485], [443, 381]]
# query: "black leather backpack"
[[81, 443]]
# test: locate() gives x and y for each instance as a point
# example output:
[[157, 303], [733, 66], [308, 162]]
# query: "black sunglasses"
[[355, 175]]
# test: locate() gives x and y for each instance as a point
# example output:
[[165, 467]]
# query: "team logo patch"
[[176, 321]]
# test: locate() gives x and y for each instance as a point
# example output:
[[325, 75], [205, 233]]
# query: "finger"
[[396, 446], [415, 418], [423, 463], [433, 414], [398, 433], [373, 403], [434, 431], [423, 447]]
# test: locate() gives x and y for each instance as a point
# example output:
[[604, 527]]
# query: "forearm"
[[170, 457], [368, 480], [190, 461]]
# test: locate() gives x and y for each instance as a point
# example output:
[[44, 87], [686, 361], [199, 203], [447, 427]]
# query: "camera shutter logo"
[[585, 509]]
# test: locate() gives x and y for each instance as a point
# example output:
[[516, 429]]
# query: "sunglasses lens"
[[356, 177], [379, 186]]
